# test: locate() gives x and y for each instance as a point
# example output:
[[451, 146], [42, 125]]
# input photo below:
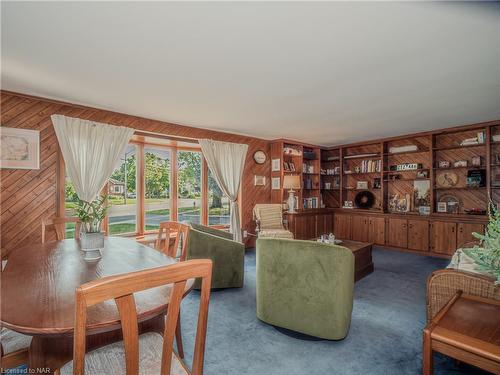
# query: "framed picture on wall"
[[275, 183], [275, 165], [20, 148], [259, 180]]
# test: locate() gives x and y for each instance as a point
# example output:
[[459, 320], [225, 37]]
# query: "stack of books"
[[480, 139], [368, 166]]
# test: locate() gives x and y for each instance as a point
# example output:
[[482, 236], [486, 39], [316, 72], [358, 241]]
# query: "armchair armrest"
[[442, 285], [227, 257]]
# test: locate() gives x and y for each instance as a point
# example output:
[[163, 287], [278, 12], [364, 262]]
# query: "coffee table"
[[468, 329], [363, 263]]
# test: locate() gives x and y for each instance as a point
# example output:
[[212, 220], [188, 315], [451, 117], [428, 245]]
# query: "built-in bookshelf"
[[447, 173], [452, 172], [301, 160]]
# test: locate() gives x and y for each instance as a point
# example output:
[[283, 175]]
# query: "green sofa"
[[305, 286], [227, 255]]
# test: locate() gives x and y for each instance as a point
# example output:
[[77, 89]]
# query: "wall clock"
[[260, 157]]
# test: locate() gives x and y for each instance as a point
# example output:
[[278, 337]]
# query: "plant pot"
[[91, 244]]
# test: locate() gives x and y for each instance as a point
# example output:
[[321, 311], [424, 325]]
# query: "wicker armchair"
[[442, 285], [269, 221]]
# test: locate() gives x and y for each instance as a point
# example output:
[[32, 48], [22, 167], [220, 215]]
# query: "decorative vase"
[[92, 244]]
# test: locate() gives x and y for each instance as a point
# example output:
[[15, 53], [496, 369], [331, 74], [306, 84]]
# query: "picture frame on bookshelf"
[[443, 164], [275, 165], [362, 185], [476, 161], [497, 158], [441, 207], [460, 163], [421, 193]]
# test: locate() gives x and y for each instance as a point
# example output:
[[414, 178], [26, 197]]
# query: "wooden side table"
[[467, 329]]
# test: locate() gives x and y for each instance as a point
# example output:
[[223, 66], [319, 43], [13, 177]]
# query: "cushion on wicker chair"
[[270, 216], [110, 359], [12, 341]]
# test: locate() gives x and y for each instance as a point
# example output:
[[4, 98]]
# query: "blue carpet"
[[385, 335]]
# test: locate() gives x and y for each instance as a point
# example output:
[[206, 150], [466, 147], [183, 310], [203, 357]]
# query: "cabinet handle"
[[452, 229], [461, 230]]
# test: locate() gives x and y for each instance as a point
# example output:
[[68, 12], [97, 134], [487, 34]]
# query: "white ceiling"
[[325, 73]]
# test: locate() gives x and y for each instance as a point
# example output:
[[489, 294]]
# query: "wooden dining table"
[[38, 296]]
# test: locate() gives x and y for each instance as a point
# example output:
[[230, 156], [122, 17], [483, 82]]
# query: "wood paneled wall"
[[27, 196]]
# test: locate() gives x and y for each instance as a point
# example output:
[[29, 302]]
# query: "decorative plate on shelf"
[[446, 179], [364, 199]]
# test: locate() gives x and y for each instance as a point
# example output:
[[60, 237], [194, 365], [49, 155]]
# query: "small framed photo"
[[259, 180], [497, 158], [476, 161], [275, 183], [460, 163], [275, 165], [442, 207], [423, 174], [362, 185], [20, 148], [443, 164]]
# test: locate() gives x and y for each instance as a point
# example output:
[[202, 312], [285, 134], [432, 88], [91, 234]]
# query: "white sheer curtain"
[[226, 162], [91, 151]]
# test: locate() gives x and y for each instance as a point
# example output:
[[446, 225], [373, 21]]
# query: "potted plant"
[[486, 255], [91, 214]]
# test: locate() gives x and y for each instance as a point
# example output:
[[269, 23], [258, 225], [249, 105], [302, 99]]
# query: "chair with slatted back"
[[169, 247], [165, 244], [148, 353], [58, 225]]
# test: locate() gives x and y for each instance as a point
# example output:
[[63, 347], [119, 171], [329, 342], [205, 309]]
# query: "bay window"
[[157, 180]]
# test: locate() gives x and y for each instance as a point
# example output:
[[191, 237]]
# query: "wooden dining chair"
[[58, 225], [147, 353], [13, 345], [164, 243]]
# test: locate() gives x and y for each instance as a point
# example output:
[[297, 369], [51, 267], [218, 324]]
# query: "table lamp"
[[291, 182]]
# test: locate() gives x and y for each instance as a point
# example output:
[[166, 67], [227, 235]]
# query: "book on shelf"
[[369, 166], [310, 202]]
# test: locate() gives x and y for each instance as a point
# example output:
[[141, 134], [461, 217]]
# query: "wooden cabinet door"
[[444, 237], [305, 227], [328, 224], [464, 233], [397, 233], [359, 228], [418, 235], [376, 230], [342, 226]]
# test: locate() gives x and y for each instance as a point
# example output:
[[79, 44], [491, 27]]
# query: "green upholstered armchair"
[[305, 286], [227, 255]]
